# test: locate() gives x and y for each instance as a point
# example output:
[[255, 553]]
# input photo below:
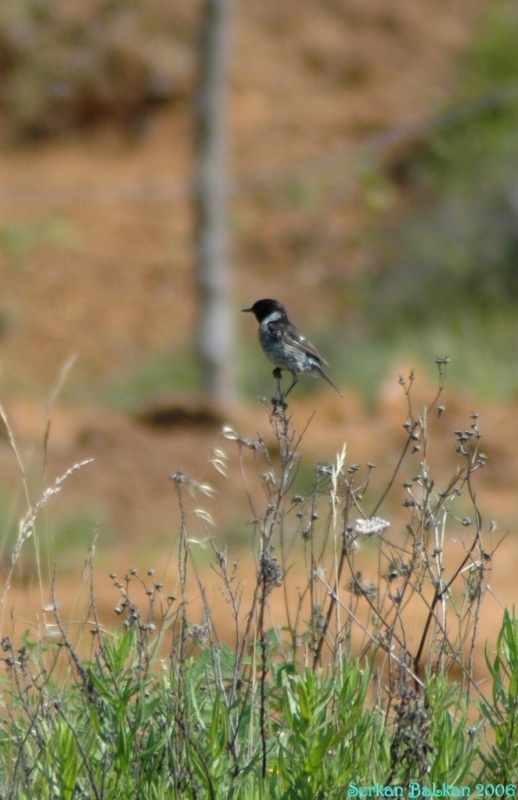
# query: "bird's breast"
[[283, 354]]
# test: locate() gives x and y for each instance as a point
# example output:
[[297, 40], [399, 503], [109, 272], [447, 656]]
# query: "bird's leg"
[[278, 400], [286, 393]]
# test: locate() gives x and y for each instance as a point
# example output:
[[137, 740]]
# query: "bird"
[[285, 346]]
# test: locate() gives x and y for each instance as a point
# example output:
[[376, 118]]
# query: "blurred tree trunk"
[[216, 314]]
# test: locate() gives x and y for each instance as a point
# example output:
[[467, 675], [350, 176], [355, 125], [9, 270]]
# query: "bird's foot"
[[279, 406]]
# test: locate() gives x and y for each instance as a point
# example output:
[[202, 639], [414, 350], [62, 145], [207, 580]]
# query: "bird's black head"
[[266, 308]]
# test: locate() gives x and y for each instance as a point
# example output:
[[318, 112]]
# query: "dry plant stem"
[[251, 616], [183, 552], [288, 446], [53, 396], [30, 510], [344, 558], [97, 627], [179, 654], [441, 589], [388, 626], [233, 598], [439, 594], [263, 643], [273, 518], [31, 711], [431, 510], [309, 588], [27, 526], [12, 444], [21, 745], [414, 424], [227, 697], [392, 480], [66, 641], [276, 487], [376, 641], [333, 599], [484, 558]]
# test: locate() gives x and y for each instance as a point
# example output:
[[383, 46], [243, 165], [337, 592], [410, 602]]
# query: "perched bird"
[[284, 344]]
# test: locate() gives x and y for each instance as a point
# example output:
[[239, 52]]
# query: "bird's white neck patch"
[[275, 316]]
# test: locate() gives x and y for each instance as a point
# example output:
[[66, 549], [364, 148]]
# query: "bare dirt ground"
[[113, 280]]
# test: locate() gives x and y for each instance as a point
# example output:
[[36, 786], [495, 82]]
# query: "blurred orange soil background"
[[308, 87]]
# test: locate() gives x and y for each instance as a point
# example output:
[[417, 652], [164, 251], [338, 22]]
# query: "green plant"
[[501, 760], [351, 690], [445, 261]]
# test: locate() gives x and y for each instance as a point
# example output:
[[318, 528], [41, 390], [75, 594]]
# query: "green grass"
[[127, 723]]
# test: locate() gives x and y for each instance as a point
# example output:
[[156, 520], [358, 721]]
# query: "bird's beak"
[[246, 309]]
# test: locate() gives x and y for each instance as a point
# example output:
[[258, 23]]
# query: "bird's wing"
[[289, 334]]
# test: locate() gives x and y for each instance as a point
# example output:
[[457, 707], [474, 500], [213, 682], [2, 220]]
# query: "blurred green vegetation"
[[18, 241], [447, 279], [165, 371], [53, 545]]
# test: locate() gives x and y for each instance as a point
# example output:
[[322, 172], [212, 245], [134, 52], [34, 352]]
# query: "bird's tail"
[[327, 378]]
